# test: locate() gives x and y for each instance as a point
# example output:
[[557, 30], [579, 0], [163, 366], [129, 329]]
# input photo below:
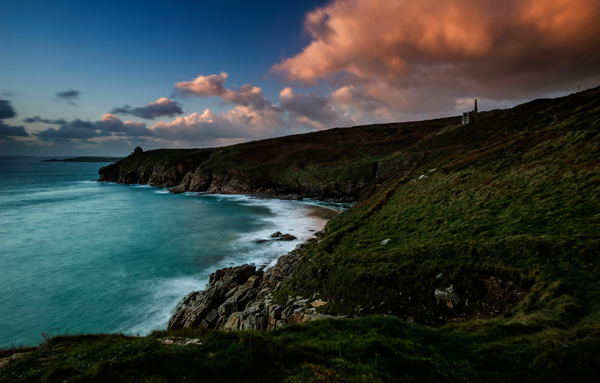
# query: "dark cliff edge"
[[339, 165], [472, 254]]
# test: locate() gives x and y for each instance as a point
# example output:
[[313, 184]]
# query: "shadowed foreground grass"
[[370, 349]]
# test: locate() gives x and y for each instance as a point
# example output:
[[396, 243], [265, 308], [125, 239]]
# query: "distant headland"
[[86, 159]]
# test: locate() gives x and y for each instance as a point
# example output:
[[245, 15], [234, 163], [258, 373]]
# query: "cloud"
[[31, 120], [403, 50], [159, 108], [108, 125], [236, 125], [8, 131], [12, 131], [6, 110], [246, 95], [111, 123], [203, 86], [312, 106], [213, 85], [69, 132], [69, 96]]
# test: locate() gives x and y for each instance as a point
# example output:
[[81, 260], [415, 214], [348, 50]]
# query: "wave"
[[256, 247]]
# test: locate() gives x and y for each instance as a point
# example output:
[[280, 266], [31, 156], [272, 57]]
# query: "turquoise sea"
[[83, 256]]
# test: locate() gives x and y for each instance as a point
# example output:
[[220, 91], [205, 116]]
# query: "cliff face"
[[337, 165]]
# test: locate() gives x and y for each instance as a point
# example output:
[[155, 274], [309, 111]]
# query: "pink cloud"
[[203, 86], [213, 85], [239, 124], [506, 49]]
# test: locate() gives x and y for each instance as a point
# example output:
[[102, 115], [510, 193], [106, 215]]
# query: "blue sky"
[[201, 74]]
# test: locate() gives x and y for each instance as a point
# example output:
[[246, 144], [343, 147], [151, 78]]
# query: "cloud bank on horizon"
[[367, 61]]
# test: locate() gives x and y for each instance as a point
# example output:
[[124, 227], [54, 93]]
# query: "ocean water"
[[83, 256]]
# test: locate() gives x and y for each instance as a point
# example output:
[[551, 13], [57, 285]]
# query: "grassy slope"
[[336, 155], [518, 198], [514, 196]]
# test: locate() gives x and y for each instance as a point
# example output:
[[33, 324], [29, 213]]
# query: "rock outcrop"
[[184, 177], [239, 298]]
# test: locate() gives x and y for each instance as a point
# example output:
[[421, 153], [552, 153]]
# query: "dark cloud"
[[6, 110], [77, 123], [311, 105], [14, 131], [31, 120], [111, 123], [69, 132], [108, 125], [159, 108], [69, 96]]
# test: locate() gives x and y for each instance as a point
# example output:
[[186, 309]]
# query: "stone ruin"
[[470, 117]]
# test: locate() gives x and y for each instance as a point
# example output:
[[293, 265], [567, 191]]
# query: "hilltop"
[[471, 255]]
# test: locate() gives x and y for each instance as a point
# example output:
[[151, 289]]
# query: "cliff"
[[473, 254], [334, 165]]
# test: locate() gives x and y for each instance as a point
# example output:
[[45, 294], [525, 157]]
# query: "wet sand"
[[321, 212]]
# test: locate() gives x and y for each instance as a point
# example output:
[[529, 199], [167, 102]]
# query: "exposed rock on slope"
[[243, 298], [239, 298]]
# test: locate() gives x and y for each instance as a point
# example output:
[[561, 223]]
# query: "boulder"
[[448, 294], [194, 308]]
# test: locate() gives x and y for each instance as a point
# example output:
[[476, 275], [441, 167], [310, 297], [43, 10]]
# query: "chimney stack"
[[475, 106]]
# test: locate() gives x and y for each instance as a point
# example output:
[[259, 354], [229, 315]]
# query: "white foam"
[[289, 217], [161, 297]]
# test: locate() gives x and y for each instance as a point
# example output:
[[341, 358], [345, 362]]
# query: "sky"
[[100, 78]]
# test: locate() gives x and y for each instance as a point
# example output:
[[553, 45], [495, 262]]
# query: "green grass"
[[370, 349]]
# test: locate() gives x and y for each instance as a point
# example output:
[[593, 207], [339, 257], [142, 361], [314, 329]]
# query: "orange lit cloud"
[[213, 85], [395, 54], [238, 124]]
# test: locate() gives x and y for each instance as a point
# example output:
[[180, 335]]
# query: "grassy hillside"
[[337, 164], [473, 255], [515, 196]]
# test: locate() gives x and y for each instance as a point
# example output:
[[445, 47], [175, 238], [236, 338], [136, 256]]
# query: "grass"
[[370, 349]]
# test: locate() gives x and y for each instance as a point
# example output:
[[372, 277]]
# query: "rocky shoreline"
[[240, 298], [188, 176]]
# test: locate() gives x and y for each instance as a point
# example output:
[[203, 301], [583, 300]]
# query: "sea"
[[81, 256]]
